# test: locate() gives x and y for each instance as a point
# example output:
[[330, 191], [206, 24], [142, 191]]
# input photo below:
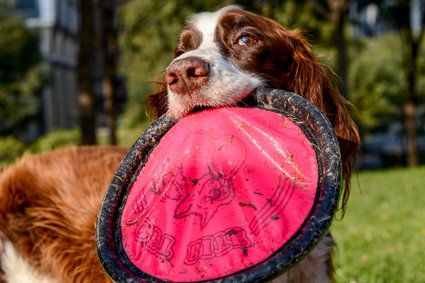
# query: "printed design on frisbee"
[[222, 191], [273, 207]]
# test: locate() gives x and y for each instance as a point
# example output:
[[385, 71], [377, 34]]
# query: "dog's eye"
[[246, 40]]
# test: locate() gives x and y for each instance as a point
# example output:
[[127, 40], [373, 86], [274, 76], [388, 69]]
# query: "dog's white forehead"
[[206, 24]]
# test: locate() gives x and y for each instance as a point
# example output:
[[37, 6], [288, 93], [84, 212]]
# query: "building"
[[57, 23]]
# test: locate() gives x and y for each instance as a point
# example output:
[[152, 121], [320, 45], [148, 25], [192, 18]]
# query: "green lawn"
[[382, 236]]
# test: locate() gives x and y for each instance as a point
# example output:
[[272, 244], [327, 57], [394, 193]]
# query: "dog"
[[49, 202]]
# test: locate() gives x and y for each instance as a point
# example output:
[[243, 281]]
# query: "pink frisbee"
[[226, 194]]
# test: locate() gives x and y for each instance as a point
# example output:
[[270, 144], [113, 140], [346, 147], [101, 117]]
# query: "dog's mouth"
[[249, 101], [199, 108]]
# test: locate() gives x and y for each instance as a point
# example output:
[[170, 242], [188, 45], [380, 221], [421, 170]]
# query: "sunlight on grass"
[[382, 236]]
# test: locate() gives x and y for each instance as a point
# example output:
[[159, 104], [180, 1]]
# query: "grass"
[[382, 236]]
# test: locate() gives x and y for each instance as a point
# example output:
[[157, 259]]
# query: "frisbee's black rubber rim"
[[305, 115]]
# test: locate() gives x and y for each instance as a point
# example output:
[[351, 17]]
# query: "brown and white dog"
[[49, 202]]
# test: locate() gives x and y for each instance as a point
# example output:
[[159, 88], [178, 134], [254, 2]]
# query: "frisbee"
[[230, 194]]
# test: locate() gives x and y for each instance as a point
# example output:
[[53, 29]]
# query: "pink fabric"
[[223, 190]]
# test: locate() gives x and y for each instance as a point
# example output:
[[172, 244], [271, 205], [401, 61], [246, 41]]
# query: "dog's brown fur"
[[48, 208]]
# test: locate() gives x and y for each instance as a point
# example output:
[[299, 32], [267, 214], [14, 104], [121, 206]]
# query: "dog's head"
[[223, 56]]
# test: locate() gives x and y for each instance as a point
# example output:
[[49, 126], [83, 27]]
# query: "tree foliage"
[[376, 81], [10, 149], [57, 139], [399, 13], [20, 73]]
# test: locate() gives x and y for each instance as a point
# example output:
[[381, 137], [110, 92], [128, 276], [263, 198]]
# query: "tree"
[[85, 79], [375, 82], [108, 55], [336, 13], [20, 73], [338, 18], [98, 36], [399, 13]]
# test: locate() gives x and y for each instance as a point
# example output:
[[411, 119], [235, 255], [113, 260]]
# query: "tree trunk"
[[85, 79], [107, 45], [409, 123], [341, 46], [410, 58], [338, 17], [410, 42]]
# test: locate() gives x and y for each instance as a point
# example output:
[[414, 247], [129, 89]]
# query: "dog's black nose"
[[186, 75]]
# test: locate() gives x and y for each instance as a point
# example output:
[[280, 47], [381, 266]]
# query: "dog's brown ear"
[[310, 80], [158, 99]]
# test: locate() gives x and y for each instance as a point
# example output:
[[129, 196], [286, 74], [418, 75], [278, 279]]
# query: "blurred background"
[[76, 72]]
